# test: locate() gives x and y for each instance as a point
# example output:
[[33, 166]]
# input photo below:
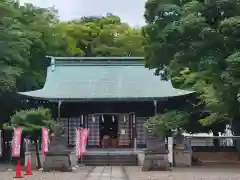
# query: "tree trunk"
[[38, 156]]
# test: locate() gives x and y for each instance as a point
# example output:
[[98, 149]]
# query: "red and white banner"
[[78, 136], [45, 139], [16, 142], [81, 141]]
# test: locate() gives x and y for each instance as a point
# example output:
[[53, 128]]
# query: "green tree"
[[196, 43], [39, 24], [14, 46], [163, 123], [28, 33], [101, 36], [31, 121]]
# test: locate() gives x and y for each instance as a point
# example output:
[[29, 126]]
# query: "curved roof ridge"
[[108, 61], [98, 57], [99, 63]]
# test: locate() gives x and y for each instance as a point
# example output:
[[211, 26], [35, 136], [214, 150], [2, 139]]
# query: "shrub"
[[162, 123]]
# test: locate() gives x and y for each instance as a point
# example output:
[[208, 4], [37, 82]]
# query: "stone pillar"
[[182, 155], [156, 156], [73, 159], [58, 156], [141, 157]]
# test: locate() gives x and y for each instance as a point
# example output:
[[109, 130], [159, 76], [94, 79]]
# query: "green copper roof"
[[116, 79]]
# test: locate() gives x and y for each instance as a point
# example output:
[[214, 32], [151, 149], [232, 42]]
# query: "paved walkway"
[[79, 174], [193, 173], [84, 173], [106, 173], [135, 173]]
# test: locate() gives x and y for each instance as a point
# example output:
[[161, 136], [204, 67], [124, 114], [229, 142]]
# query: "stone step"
[[110, 160]]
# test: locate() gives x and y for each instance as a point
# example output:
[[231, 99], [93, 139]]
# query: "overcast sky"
[[130, 11]]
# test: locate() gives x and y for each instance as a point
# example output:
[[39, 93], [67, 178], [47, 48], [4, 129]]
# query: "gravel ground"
[[135, 173], [193, 173]]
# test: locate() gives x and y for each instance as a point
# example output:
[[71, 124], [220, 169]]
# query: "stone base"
[[156, 162], [182, 159], [141, 157], [57, 163]]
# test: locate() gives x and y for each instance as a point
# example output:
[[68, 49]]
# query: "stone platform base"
[[57, 163], [182, 159], [156, 162]]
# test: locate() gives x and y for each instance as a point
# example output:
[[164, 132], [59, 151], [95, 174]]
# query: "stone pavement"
[[85, 173], [79, 174], [135, 173], [106, 173], [193, 173]]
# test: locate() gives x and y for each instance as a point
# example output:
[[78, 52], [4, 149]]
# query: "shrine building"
[[112, 96]]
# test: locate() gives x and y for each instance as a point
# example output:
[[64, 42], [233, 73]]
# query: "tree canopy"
[[196, 43], [28, 33]]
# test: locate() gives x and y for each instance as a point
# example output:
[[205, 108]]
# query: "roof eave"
[[136, 99]]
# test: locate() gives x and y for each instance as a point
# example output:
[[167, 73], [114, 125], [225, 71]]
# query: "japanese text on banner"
[[78, 134], [45, 139], [16, 144], [84, 137]]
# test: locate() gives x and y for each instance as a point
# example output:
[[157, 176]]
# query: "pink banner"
[[16, 143], [45, 139], [83, 142], [78, 135]]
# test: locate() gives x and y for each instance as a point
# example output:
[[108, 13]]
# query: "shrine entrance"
[[108, 131], [111, 130]]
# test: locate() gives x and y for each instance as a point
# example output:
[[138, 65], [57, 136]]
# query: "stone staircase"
[[110, 159]]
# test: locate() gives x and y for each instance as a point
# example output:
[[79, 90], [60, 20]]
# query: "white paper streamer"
[[102, 118], [93, 119]]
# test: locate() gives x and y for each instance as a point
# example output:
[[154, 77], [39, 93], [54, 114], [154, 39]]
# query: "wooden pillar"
[[155, 107], [82, 119], [85, 117], [86, 120], [59, 110], [130, 130], [134, 129]]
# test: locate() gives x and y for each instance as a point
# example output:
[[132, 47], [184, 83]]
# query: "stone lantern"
[[58, 155], [156, 155]]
